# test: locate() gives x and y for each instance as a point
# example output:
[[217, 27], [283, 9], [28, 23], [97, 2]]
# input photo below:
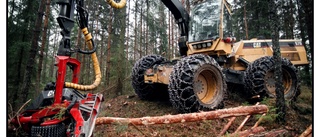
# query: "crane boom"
[[182, 19]]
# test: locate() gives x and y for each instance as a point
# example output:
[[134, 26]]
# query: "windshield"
[[205, 18]]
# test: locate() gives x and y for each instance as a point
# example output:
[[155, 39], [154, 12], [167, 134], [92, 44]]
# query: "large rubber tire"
[[146, 91], [197, 84], [259, 78]]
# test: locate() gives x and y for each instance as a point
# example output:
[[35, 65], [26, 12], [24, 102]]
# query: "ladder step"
[[85, 108], [89, 103]]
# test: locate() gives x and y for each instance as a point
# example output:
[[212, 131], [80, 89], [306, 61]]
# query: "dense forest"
[[122, 36]]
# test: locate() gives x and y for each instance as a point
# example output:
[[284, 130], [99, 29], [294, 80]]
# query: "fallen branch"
[[242, 124], [139, 130], [307, 132], [259, 121], [273, 133], [19, 111], [11, 127], [190, 117], [247, 132], [227, 126]]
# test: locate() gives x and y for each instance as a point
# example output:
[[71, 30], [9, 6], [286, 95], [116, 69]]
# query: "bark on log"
[[190, 117], [307, 132], [247, 132]]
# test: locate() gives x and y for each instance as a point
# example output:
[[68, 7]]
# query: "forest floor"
[[298, 118]]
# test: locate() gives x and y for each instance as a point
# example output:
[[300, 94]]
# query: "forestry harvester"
[[61, 110], [209, 61]]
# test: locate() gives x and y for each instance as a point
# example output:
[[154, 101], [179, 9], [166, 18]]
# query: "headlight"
[[194, 46], [209, 44], [204, 45]]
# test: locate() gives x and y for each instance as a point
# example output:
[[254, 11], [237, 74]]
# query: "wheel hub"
[[205, 86], [201, 87], [270, 82]]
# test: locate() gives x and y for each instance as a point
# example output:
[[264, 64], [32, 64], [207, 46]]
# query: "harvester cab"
[[61, 110], [209, 61]]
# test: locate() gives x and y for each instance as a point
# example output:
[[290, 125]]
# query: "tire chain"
[[143, 90], [254, 76], [181, 92]]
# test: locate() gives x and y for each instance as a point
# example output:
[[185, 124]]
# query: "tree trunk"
[[307, 7], [18, 80], [303, 27], [51, 71], [109, 47], [280, 102], [135, 31], [169, 30], [128, 39], [140, 44], [45, 73], [172, 35], [43, 44], [147, 24], [292, 20], [121, 69], [190, 117], [245, 20], [32, 53]]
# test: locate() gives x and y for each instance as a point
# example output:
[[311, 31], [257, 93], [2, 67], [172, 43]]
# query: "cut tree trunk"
[[190, 117]]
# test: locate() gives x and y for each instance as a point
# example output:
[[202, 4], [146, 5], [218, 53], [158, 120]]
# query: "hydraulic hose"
[[118, 5], [96, 66], [89, 43]]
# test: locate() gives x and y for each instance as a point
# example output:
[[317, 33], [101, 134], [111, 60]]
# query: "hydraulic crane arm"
[[180, 14], [182, 19]]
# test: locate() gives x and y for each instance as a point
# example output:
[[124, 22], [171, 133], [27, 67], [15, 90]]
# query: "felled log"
[[190, 117], [307, 132], [273, 133], [247, 132]]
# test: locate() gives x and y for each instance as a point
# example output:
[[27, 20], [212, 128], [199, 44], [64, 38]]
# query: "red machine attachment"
[[59, 111]]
